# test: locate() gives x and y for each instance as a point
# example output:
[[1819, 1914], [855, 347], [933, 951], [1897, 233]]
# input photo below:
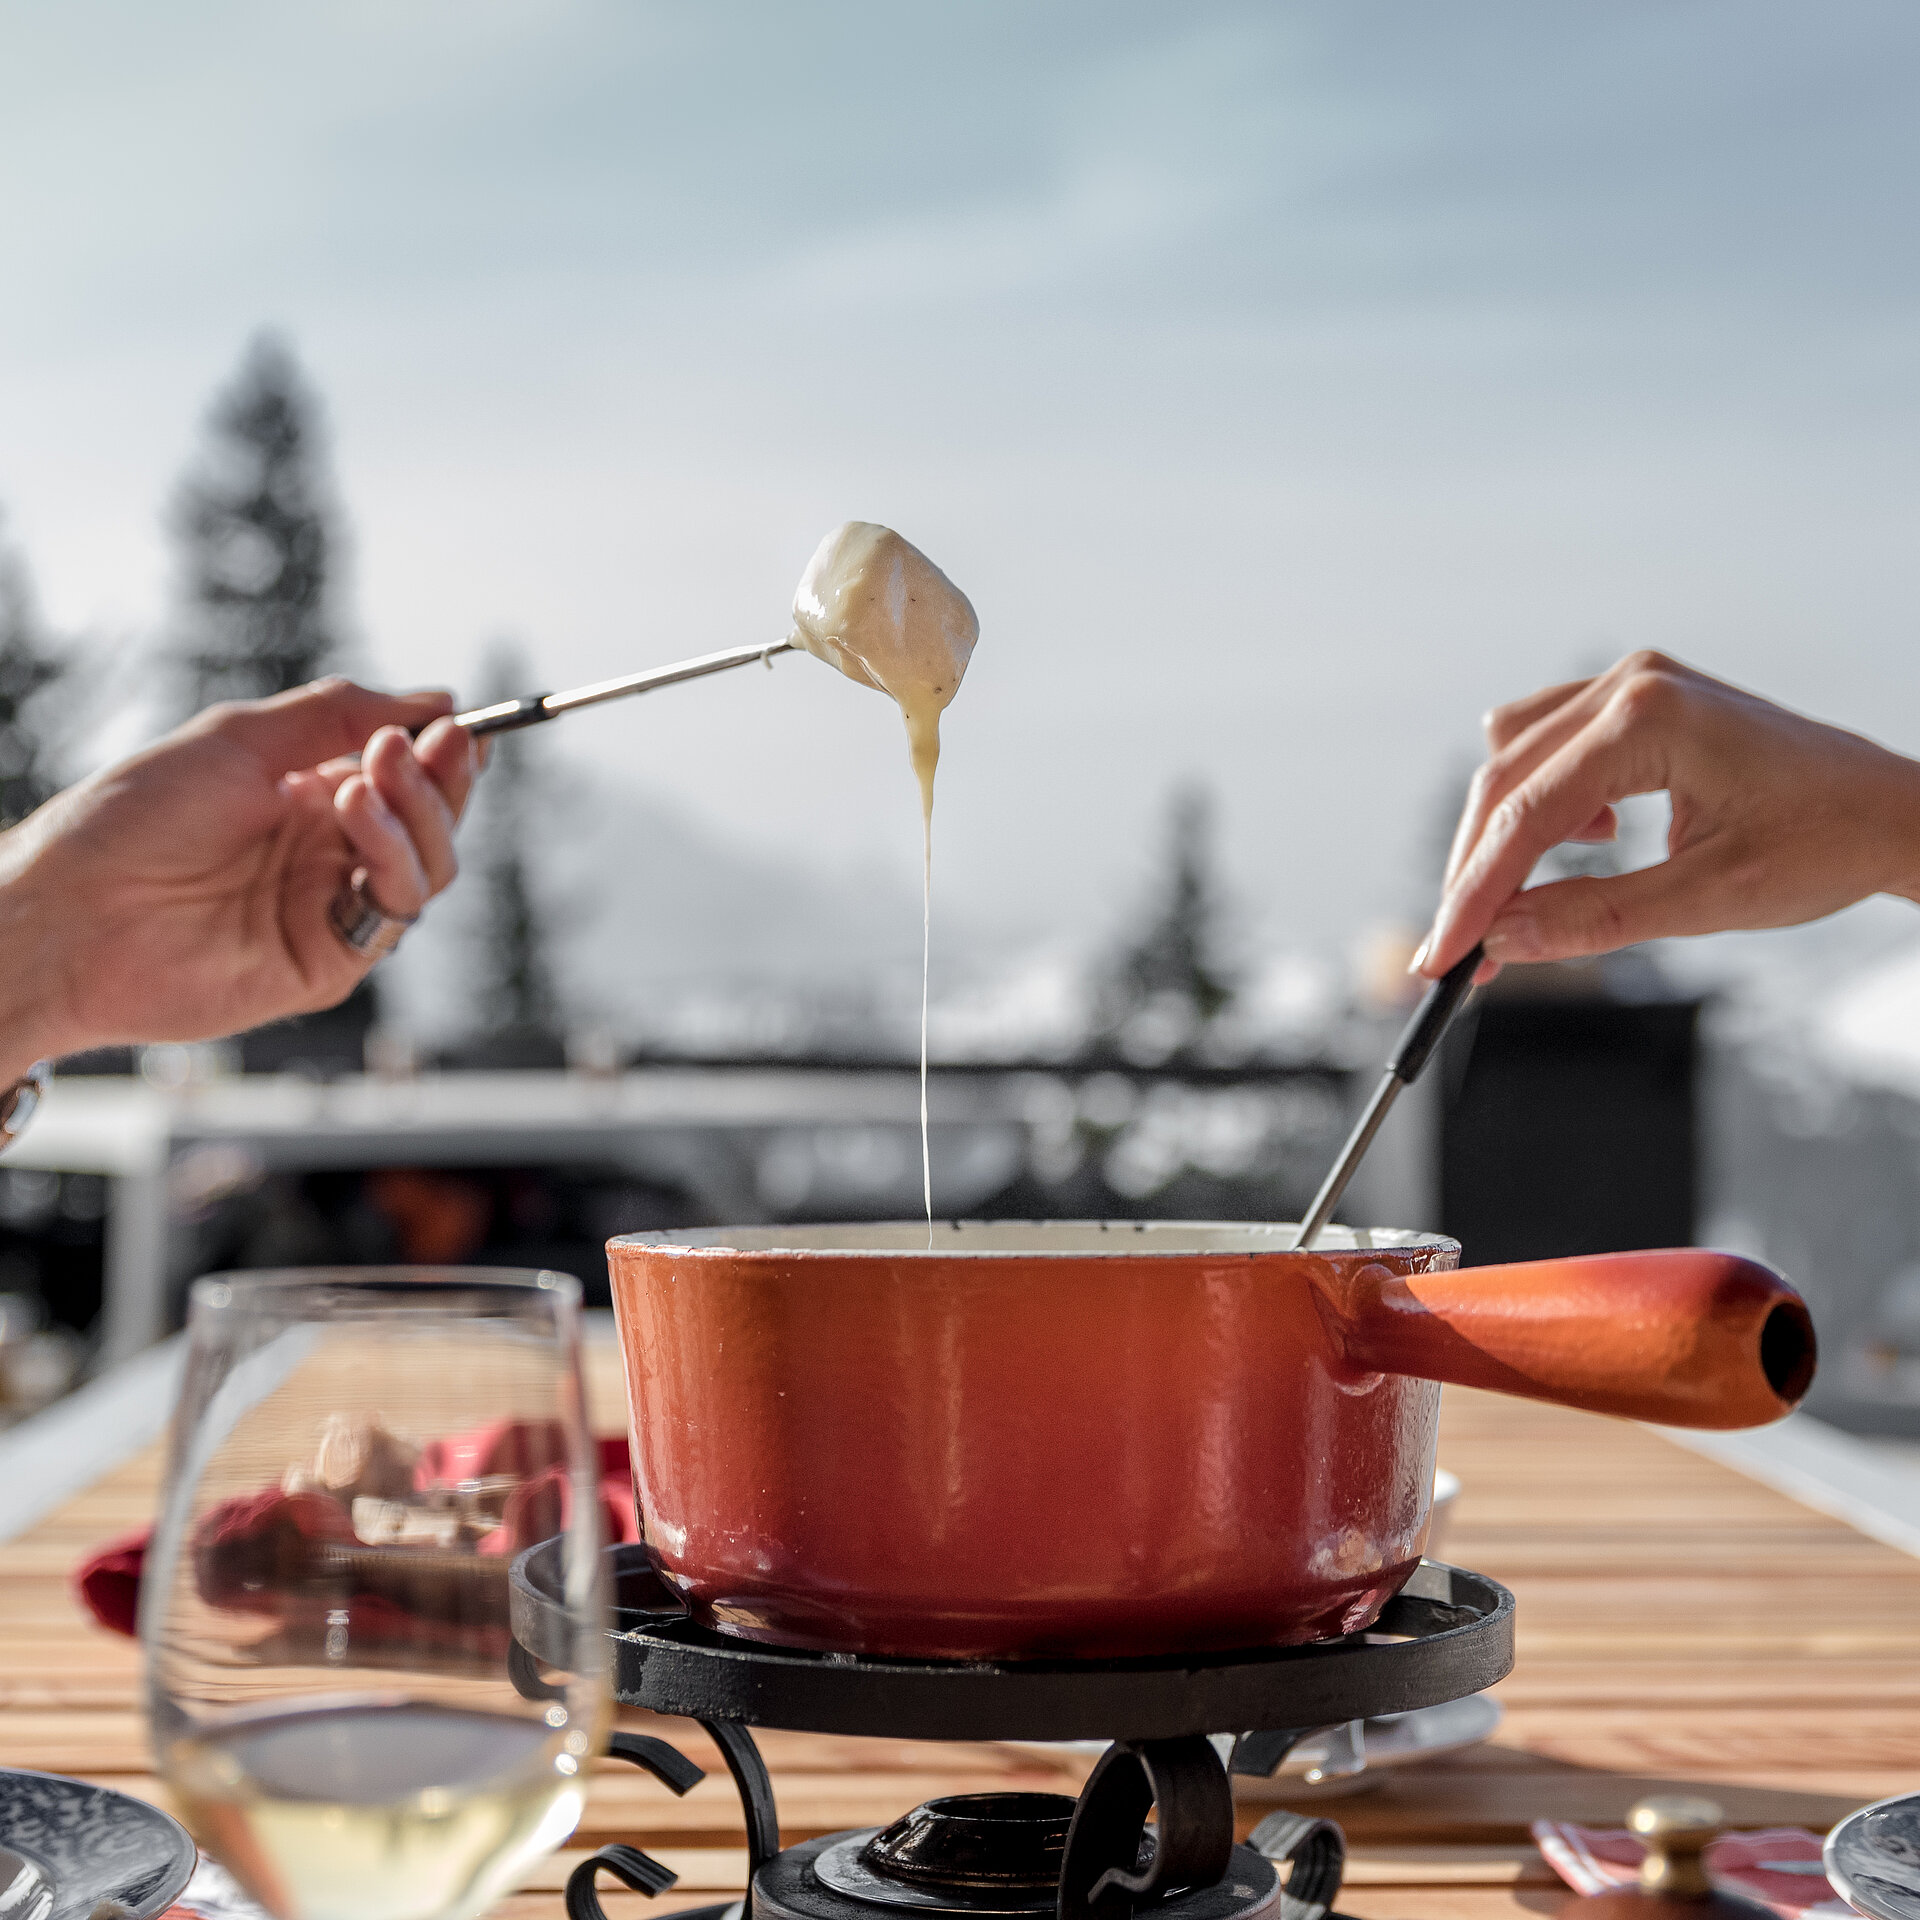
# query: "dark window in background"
[[53, 1230], [1570, 1128]]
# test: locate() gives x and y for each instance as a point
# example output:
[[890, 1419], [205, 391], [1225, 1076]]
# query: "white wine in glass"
[[335, 1699]]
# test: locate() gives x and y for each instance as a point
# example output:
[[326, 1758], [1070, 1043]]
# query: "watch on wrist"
[[20, 1101]]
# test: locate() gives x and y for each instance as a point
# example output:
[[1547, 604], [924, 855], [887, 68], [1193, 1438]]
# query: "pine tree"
[[255, 520], [1174, 952], [1167, 982], [32, 669], [518, 998]]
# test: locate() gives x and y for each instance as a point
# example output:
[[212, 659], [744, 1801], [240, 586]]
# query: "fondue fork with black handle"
[[1414, 1049]]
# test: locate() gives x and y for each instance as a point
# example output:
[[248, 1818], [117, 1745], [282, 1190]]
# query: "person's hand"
[[187, 892], [1777, 819]]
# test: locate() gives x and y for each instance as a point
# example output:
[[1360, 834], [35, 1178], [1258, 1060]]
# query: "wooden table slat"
[[1678, 1626]]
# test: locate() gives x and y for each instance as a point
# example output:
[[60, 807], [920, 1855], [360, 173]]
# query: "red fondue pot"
[[1076, 1439]]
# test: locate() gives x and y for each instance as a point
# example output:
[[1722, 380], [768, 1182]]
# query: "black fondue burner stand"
[[979, 1856]]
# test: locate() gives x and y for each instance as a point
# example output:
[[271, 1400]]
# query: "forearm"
[[32, 978], [1898, 827]]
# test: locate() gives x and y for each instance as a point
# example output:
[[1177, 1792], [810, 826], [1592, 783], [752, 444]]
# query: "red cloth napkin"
[[108, 1585], [238, 1542], [1777, 1866], [247, 1552]]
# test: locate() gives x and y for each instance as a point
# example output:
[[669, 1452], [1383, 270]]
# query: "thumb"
[[1569, 919]]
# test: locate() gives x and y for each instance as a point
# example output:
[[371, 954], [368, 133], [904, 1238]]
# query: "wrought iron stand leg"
[[524, 1671], [1318, 1850], [750, 1776], [1185, 1780], [674, 1770]]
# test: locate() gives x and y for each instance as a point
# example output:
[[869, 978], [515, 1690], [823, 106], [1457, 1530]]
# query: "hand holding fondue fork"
[[187, 891], [1777, 819]]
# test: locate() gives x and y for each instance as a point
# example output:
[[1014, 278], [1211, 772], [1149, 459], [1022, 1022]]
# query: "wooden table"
[[1678, 1624]]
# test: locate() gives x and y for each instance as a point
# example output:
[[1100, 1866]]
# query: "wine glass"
[[334, 1694]]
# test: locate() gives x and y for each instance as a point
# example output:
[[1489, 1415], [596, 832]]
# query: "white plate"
[[1393, 1740]]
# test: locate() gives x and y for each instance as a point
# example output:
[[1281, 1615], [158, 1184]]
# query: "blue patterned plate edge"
[[1873, 1858], [96, 1844]]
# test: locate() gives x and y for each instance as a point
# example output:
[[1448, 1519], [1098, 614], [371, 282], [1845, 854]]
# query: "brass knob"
[[1677, 1829]]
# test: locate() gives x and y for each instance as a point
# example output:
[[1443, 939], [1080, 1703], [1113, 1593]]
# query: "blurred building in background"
[[1574, 1110]]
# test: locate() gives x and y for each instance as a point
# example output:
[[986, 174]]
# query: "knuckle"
[[1603, 921], [1511, 818], [1647, 695], [1500, 723], [1593, 915], [1647, 660], [1748, 881], [1648, 675], [1504, 769]]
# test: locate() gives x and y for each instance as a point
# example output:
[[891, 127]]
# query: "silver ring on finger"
[[364, 924]]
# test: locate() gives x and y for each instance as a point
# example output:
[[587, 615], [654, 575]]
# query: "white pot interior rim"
[[1120, 1239]]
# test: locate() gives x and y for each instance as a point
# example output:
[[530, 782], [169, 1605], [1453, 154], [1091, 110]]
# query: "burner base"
[[789, 1888], [1446, 1635]]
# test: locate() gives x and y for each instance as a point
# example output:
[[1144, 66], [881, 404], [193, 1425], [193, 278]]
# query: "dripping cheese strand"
[[873, 605]]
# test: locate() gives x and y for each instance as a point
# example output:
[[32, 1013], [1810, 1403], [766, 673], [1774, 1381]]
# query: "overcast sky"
[[1284, 383]]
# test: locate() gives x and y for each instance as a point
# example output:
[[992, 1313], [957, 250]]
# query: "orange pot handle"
[[1681, 1336]]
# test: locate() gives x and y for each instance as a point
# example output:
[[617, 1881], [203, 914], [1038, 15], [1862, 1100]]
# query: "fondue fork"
[[361, 923], [506, 716], [1411, 1053]]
